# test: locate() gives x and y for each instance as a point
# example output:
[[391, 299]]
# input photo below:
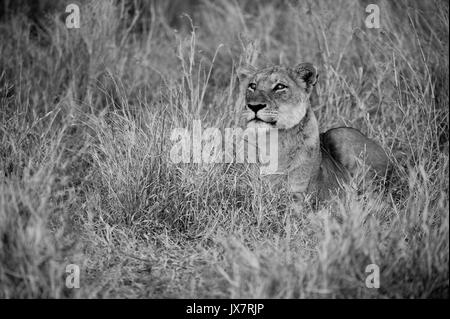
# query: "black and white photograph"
[[236, 151]]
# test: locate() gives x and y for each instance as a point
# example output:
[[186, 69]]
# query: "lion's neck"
[[300, 154]]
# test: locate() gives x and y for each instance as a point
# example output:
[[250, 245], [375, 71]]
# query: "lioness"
[[278, 97]]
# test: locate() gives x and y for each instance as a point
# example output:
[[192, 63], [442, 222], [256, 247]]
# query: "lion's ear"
[[306, 75], [245, 71]]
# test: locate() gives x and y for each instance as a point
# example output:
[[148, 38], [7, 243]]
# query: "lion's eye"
[[279, 87], [252, 86]]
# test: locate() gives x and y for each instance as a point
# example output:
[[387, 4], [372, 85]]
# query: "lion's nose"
[[256, 107]]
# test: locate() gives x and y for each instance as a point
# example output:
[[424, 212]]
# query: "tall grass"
[[86, 178]]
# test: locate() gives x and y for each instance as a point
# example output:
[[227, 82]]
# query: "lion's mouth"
[[259, 120]]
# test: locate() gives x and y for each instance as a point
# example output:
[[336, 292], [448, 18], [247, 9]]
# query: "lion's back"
[[347, 146]]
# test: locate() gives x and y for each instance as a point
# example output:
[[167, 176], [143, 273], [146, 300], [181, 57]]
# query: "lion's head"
[[277, 96]]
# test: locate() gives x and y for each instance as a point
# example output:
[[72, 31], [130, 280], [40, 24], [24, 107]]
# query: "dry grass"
[[85, 175]]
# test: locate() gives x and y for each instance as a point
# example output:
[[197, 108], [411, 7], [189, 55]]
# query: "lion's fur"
[[313, 163]]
